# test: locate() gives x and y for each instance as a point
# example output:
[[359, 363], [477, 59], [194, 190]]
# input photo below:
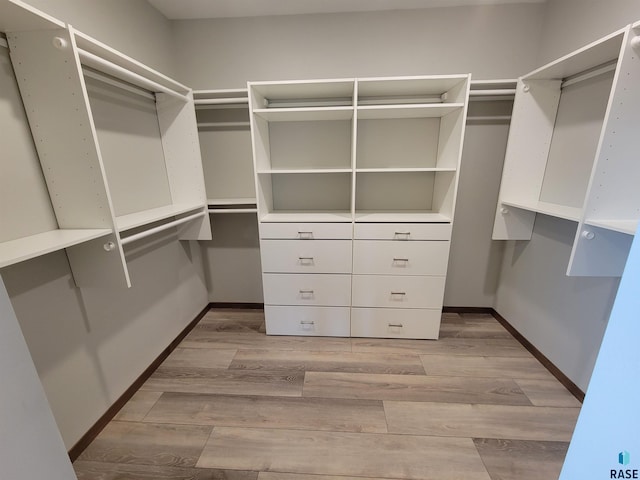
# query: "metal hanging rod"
[[591, 73], [116, 82], [160, 228], [122, 73], [223, 124]]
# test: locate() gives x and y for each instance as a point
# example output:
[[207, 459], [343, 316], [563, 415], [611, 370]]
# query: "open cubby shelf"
[[568, 153], [360, 145]]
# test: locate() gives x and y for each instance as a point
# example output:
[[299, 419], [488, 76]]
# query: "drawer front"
[[397, 291], [318, 321], [306, 289], [402, 231], [400, 258], [307, 231], [306, 256], [395, 323]]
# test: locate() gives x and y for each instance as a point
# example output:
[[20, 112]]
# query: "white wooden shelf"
[[430, 110], [405, 170], [140, 219], [552, 209], [568, 153], [278, 171], [622, 226], [25, 248], [233, 210], [304, 114], [400, 217], [307, 216], [231, 201]]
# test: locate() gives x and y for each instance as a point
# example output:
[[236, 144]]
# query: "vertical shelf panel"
[[179, 130], [65, 137], [534, 113]]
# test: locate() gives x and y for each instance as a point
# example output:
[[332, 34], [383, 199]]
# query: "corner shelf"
[[82, 180], [568, 153]]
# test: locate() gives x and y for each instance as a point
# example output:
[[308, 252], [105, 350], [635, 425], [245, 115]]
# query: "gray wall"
[[227, 53], [132, 26], [89, 345], [564, 317]]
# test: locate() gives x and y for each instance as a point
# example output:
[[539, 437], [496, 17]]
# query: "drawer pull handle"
[[395, 325], [306, 260], [398, 293], [307, 322], [401, 260], [305, 235], [406, 235], [306, 292]]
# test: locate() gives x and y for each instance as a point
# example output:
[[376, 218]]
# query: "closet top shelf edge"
[[602, 51], [16, 16], [105, 52]]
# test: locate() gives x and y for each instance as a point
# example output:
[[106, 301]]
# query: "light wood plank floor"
[[231, 403]]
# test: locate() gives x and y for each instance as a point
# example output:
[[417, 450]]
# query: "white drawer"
[[397, 291], [320, 321], [307, 289], [402, 231], [395, 323], [306, 256], [400, 258], [307, 231]]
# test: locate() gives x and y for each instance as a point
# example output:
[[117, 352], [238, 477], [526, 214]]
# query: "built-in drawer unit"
[[397, 291], [402, 231], [395, 323], [318, 321], [305, 289], [307, 231], [306, 256], [400, 258]]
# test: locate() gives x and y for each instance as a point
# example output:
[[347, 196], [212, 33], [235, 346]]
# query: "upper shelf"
[[552, 209], [597, 53], [304, 114], [430, 110]]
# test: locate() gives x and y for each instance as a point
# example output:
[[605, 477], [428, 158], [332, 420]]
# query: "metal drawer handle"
[[395, 325], [400, 259], [403, 234], [305, 235], [398, 293], [307, 322], [306, 259], [306, 292]]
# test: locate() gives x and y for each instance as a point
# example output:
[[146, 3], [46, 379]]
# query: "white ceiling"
[[192, 9]]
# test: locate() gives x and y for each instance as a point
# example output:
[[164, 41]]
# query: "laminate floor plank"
[[413, 388], [496, 347], [311, 361], [547, 393], [138, 406], [119, 471], [472, 326], [254, 340], [232, 320], [200, 358], [476, 366], [298, 476], [486, 421], [148, 444], [234, 382], [522, 460], [339, 415], [347, 454]]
